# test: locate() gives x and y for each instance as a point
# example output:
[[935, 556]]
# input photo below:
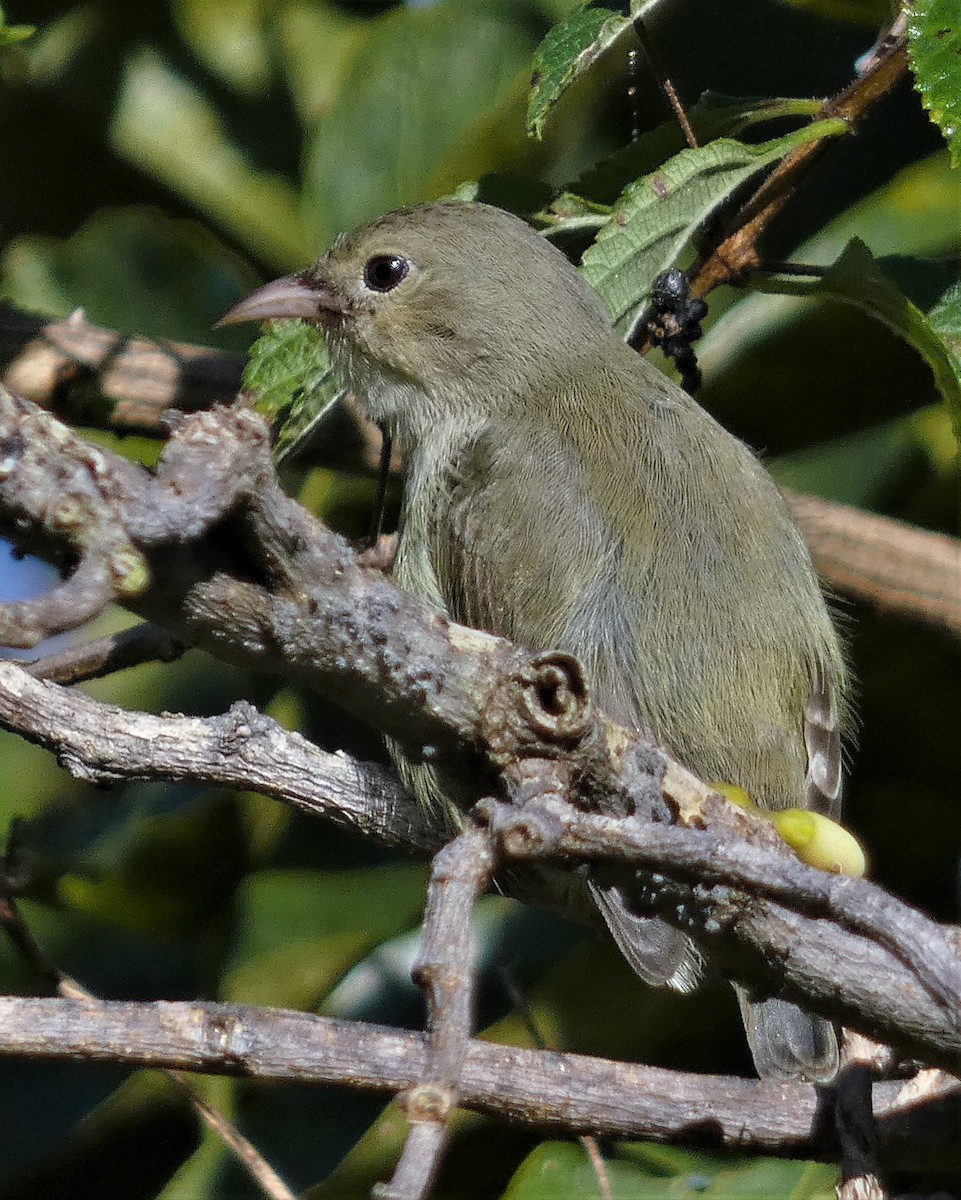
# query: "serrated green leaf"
[[566, 53], [712, 116], [856, 278], [934, 48], [294, 386], [946, 318], [655, 220], [945, 321]]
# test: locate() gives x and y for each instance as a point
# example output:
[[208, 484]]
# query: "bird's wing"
[[496, 543], [661, 955], [521, 550], [514, 580]]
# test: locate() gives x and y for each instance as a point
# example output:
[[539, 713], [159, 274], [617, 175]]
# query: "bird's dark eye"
[[384, 272]]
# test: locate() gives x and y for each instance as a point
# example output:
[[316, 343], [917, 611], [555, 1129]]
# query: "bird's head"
[[460, 303]]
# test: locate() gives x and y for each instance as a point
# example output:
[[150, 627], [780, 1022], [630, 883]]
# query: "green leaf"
[[167, 128], [913, 214], [11, 34], [856, 278], [566, 53], [569, 212], [655, 220], [934, 48], [946, 318], [416, 111], [293, 383], [641, 1172], [202, 1172], [283, 908], [713, 116], [824, 469], [945, 322], [229, 38], [301, 931], [131, 269], [317, 44]]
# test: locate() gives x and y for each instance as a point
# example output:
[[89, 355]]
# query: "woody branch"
[[242, 569]]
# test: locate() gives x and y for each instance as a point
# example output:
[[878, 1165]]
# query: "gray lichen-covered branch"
[[222, 558], [843, 945], [917, 1119]]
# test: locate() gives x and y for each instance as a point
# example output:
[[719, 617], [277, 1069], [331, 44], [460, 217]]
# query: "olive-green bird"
[[562, 492]]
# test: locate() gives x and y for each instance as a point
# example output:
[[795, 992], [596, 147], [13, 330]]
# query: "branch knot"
[[554, 698], [426, 1102]]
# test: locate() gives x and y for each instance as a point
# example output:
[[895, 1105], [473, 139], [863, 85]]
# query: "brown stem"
[[444, 969], [891, 565], [738, 254], [100, 377]]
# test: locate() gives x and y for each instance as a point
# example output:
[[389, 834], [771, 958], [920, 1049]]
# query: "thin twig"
[[738, 254], [383, 478], [596, 1159], [105, 656], [664, 83], [244, 1151], [590, 1143], [460, 874], [854, 1120]]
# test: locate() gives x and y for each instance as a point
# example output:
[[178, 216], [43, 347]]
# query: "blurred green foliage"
[[160, 159]]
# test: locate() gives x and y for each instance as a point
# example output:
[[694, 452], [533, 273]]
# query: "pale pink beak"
[[289, 298]]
